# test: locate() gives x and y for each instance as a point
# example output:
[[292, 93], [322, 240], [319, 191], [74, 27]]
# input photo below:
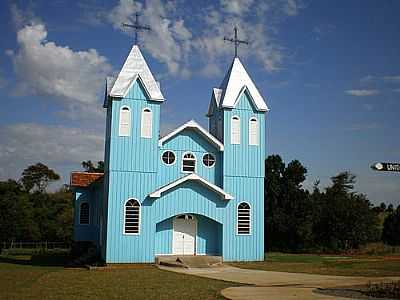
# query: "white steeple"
[[135, 67], [236, 81]]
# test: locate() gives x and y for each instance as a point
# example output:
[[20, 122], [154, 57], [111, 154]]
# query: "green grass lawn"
[[328, 265], [21, 278]]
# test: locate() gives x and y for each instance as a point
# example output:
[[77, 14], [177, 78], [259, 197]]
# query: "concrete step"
[[189, 261]]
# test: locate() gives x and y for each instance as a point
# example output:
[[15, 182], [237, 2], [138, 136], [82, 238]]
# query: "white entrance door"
[[184, 235]]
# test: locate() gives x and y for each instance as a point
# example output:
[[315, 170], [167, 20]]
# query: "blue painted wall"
[[134, 169]]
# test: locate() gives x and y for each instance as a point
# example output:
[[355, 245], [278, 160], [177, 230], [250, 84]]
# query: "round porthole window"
[[168, 157], [208, 160]]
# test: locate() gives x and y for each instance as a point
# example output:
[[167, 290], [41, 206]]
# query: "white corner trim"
[[193, 125], [192, 176]]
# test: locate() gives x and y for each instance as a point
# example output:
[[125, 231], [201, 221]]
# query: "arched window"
[[253, 132], [125, 121], [84, 213], [188, 163], [235, 130], [146, 128], [243, 218], [132, 217]]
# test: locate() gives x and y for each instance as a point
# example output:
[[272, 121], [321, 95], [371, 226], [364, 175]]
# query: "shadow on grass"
[[40, 260]]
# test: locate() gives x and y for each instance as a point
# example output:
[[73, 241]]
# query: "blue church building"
[[191, 192]]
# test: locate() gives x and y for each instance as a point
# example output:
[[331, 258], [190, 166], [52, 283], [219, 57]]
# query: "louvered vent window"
[[188, 163], [235, 130], [125, 121], [84, 214], [147, 123], [243, 218], [132, 217], [253, 132]]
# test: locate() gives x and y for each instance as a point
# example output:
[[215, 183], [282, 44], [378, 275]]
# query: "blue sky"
[[330, 72]]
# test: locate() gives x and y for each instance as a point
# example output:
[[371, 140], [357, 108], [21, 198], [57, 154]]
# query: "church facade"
[[193, 191]]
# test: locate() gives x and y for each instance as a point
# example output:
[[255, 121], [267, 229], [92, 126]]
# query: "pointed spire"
[[135, 67], [236, 81]]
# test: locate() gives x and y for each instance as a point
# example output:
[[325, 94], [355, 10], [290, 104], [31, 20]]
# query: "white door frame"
[[188, 217]]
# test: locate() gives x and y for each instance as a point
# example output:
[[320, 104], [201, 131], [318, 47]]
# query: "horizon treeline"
[[334, 219]]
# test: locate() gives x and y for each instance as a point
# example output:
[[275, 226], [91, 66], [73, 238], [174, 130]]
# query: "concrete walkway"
[[276, 285]]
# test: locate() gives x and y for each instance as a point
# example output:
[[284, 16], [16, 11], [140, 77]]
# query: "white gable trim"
[[193, 125], [213, 187], [215, 98], [235, 82], [134, 66]]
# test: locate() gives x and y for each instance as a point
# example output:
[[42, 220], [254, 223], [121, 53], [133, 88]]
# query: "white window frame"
[[140, 217], [234, 134], [195, 162], [146, 133], [80, 212], [255, 142], [237, 218], [129, 125], [162, 154], [215, 160]]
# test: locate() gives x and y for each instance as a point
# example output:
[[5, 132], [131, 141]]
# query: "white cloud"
[[362, 93], [364, 126], [175, 42], [170, 39], [291, 7], [394, 78], [57, 146], [237, 7], [47, 69]]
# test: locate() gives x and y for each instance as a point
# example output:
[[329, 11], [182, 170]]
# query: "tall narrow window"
[[253, 132], [125, 121], [84, 213], [147, 123], [132, 217], [243, 218], [235, 130], [188, 163]]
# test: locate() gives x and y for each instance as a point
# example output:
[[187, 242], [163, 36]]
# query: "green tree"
[[289, 211], [391, 229], [17, 220], [37, 177], [90, 167], [345, 219]]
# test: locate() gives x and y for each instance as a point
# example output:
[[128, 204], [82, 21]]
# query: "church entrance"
[[184, 235]]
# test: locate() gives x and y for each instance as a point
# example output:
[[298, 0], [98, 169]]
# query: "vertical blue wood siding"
[[134, 169]]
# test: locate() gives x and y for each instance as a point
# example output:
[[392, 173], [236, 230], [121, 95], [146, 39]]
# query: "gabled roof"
[[216, 97], [135, 67], [235, 82], [193, 125], [84, 179], [157, 193]]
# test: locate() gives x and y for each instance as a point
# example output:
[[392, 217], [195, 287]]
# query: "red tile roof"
[[84, 179]]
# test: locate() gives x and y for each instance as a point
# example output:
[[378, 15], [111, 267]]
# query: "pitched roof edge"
[[193, 124], [157, 193]]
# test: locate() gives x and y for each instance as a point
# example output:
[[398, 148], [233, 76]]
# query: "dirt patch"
[[351, 292]]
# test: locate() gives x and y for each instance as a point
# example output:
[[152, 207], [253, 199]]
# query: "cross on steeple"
[[236, 41], [137, 27]]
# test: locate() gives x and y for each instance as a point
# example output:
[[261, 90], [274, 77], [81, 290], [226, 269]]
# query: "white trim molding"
[[157, 193], [193, 125]]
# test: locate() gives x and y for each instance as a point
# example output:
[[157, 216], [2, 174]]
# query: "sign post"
[[386, 167]]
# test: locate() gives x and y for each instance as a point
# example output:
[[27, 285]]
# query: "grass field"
[[21, 278], [328, 265]]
